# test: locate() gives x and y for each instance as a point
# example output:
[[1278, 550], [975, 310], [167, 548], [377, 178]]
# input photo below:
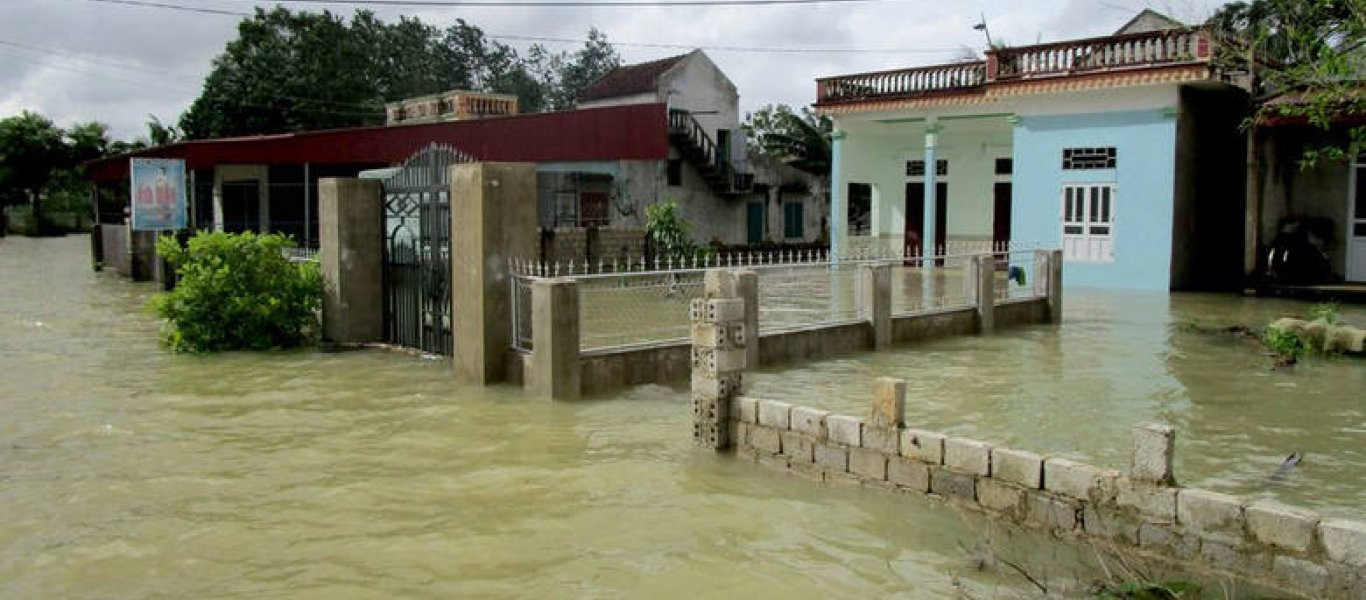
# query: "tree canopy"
[[295, 71], [799, 140], [1313, 51], [40, 162]]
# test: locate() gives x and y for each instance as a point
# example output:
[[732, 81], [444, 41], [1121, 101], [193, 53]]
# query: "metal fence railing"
[[618, 309], [301, 254], [808, 294], [628, 302], [1020, 274], [933, 284], [521, 312]]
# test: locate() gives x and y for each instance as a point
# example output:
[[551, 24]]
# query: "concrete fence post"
[[1048, 274], [875, 293], [718, 361], [351, 238], [983, 273], [742, 284], [889, 403], [554, 370], [1154, 447], [493, 219]]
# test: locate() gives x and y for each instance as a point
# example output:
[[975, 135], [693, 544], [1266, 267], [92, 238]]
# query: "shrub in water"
[[237, 292]]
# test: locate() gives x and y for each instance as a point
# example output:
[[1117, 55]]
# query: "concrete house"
[[728, 197], [1123, 150]]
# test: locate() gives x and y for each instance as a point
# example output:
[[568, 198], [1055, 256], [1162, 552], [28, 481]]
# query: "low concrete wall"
[[809, 343], [1278, 546], [114, 249], [1010, 313], [615, 368], [935, 325]]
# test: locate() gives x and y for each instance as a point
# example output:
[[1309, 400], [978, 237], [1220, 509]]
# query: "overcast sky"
[[76, 60]]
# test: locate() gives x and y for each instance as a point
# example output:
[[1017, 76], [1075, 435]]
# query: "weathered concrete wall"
[[1021, 312], [114, 241], [350, 228], [616, 368], [1278, 546], [144, 258], [935, 325], [809, 343]]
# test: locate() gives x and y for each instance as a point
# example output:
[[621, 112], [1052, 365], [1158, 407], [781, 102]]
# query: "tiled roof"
[[630, 79]]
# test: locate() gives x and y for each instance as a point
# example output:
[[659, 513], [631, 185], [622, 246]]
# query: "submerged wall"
[[1139, 511]]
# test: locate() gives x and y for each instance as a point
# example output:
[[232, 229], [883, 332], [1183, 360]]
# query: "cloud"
[[120, 63]]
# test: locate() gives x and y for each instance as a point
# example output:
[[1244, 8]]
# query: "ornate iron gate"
[[417, 251]]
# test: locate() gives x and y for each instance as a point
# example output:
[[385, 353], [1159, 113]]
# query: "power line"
[[501, 3], [567, 40]]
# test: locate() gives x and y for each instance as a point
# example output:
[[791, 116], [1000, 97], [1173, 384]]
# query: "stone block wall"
[[1273, 545]]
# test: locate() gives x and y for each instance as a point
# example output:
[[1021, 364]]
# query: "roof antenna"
[[982, 27]]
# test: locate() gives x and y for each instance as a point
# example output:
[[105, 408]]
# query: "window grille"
[[1080, 159], [916, 168], [860, 209]]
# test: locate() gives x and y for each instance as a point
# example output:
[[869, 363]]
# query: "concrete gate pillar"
[[984, 273], [742, 284], [351, 234], [875, 292], [555, 371], [493, 219], [718, 360]]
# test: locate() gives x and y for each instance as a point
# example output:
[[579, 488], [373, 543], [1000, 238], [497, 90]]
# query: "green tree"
[[289, 71], [668, 233], [31, 148], [1313, 51], [801, 141], [576, 72]]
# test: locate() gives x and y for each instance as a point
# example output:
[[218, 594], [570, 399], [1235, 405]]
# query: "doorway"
[[1000, 211], [915, 216], [755, 222], [241, 206]]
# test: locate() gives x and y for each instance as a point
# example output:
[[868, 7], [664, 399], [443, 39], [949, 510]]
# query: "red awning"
[[632, 132]]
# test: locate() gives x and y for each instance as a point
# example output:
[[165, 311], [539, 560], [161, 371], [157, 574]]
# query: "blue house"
[[1125, 151]]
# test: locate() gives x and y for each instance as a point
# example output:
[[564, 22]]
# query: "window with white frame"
[[1088, 222]]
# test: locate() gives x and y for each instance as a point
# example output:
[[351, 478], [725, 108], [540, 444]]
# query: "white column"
[[218, 198], [838, 203], [263, 197], [308, 238], [928, 231]]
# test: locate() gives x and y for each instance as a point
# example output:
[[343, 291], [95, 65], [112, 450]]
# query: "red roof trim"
[[634, 132]]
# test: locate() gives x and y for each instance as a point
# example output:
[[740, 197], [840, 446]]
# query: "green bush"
[[1284, 343], [668, 232], [237, 292]]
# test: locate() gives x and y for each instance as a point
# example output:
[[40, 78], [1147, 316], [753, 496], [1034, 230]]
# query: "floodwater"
[[128, 472], [1120, 359]]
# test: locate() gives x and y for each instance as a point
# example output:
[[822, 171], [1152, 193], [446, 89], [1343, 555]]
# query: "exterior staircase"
[[698, 148]]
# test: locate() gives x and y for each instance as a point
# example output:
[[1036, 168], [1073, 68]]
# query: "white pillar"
[[928, 231], [263, 197], [838, 203], [218, 198], [308, 238]]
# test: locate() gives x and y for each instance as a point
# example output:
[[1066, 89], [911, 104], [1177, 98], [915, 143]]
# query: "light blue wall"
[[1145, 143]]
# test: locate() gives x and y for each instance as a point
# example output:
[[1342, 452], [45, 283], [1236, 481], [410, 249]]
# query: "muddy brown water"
[[128, 472]]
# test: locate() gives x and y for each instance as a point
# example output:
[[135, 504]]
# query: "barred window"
[[860, 209], [1005, 166], [1077, 159], [916, 168]]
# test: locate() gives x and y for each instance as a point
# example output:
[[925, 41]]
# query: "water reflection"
[[1122, 359]]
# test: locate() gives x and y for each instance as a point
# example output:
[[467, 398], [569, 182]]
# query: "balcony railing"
[[902, 82], [1140, 50]]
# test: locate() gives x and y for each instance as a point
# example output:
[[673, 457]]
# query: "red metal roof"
[[630, 79], [634, 132]]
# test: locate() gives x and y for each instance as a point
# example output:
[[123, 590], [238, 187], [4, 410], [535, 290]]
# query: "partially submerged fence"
[[631, 319]]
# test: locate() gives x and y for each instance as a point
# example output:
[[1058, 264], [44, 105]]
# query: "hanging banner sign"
[[158, 193]]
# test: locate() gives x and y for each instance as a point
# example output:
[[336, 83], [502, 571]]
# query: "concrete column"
[[983, 272], [889, 403], [493, 219], [839, 211], [1154, 447], [718, 359], [875, 292], [351, 232], [1050, 263], [931, 191], [742, 284], [218, 199], [554, 370]]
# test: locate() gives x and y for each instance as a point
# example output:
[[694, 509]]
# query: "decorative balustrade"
[[902, 82], [1140, 50]]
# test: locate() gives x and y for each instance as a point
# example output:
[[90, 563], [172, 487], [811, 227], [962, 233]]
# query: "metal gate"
[[417, 251]]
